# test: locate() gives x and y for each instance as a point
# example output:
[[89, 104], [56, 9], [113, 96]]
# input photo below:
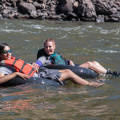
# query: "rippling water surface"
[[77, 41]]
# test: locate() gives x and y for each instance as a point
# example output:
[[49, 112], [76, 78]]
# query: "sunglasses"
[[5, 51]]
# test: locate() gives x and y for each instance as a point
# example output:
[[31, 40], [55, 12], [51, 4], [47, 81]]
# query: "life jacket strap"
[[31, 71], [14, 62], [56, 56], [23, 66]]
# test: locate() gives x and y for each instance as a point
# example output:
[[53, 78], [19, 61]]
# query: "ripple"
[[10, 30], [108, 51]]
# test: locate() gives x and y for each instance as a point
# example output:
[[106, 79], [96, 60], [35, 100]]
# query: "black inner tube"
[[80, 71], [33, 80]]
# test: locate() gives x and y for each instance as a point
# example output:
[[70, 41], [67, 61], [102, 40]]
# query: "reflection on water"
[[77, 41]]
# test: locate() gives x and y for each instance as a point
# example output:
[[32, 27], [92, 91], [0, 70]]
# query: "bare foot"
[[95, 84]]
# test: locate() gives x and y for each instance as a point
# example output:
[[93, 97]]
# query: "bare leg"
[[94, 66], [69, 75], [98, 64]]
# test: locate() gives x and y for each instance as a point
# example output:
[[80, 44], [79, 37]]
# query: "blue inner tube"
[[80, 71]]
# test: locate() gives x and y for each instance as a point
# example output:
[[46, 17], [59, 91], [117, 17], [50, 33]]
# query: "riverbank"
[[70, 10]]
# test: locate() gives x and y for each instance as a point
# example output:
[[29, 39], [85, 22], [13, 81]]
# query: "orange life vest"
[[20, 66]]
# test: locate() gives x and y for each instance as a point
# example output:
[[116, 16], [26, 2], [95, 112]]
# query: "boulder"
[[86, 10], [100, 18], [111, 19], [38, 5], [64, 6], [1, 17], [105, 7], [26, 8], [41, 1]]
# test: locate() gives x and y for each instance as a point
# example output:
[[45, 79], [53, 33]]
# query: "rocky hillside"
[[72, 10]]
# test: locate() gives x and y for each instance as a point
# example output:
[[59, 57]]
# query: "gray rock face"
[[73, 10], [64, 6], [26, 8], [86, 10]]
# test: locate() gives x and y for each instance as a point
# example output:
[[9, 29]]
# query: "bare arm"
[[5, 78]]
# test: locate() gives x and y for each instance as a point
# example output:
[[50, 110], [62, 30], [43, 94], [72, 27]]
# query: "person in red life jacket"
[[49, 49], [17, 67]]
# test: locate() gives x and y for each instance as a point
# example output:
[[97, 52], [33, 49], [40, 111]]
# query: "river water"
[[78, 41]]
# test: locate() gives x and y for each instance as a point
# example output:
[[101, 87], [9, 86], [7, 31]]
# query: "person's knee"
[[68, 71], [65, 71], [66, 74], [94, 62], [89, 63]]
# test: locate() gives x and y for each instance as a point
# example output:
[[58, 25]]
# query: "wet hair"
[[49, 40], [2, 46]]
